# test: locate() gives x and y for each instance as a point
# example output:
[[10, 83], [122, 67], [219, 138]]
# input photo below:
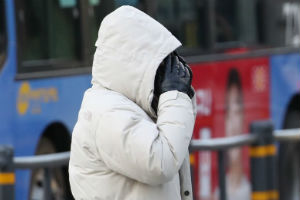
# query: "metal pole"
[[262, 153], [222, 143], [47, 184], [7, 175], [222, 179], [42, 161], [192, 168]]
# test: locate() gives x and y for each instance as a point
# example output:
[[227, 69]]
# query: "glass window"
[[291, 19], [278, 23], [50, 30], [235, 21], [202, 24], [3, 40], [184, 18], [98, 9]]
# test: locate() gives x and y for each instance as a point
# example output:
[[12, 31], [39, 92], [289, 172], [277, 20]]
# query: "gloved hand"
[[172, 74]]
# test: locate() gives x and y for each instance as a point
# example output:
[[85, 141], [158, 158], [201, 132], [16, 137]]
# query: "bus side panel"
[[38, 103], [6, 79], [285, 81], [212, 82]]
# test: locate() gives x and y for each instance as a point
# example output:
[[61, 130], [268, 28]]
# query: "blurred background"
[[245, 56]]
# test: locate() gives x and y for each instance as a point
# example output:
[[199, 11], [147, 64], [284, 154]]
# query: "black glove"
[[172, 74], [190, 93]]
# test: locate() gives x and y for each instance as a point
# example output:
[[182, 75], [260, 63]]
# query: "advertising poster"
[[230, 95]]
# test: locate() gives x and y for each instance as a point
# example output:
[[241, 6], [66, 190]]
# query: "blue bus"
[[46, 54]]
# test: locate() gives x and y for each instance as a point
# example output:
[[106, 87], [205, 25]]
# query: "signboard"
[[230, 95]]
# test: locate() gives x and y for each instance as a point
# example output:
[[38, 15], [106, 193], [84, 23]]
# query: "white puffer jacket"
[[120, 150]]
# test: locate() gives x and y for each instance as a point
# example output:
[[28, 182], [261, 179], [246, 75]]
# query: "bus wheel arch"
[[289, 159], [59, 135], [55, 138]]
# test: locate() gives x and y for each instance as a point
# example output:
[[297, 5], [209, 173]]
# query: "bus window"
[[50, 30], [235, 21], [2, 33], [279, 23], [98, 9], [184, 18]]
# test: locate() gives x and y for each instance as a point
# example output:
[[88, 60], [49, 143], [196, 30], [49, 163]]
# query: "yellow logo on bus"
[[33, 98]]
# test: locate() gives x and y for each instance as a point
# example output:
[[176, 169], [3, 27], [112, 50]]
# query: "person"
[[237, 184], [136, 121]]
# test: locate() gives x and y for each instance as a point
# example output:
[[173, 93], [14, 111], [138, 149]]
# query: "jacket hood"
[[130, 47]]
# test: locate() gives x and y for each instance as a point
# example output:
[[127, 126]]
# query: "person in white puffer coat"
[[131, 139]]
